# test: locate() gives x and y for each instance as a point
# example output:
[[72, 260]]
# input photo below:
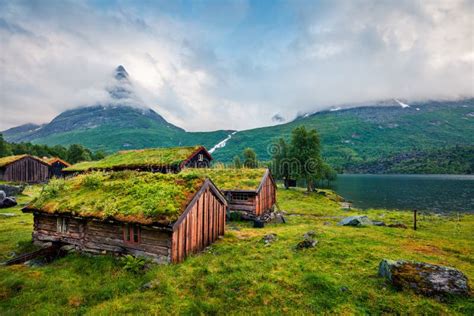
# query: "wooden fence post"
[[414, 219]]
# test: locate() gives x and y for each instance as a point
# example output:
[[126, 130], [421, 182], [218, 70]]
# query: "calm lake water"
[[439, 193]]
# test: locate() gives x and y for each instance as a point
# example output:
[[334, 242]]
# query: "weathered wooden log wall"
[[97, 237], [203, 224], [247, 205], [26, 170]]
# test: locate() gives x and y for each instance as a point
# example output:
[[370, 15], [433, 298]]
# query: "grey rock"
[[11, 190], [345, 205], [68, 248], [306, 243], [8, 214], [310, 235], [150, 285], [8, 202], [268, 239], [2, 195], [424, 278], [358, 220], [378, 223]]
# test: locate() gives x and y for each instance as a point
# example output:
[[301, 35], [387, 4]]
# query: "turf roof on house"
[[126, 196], [229, 179], [152, 157], [4, 161]]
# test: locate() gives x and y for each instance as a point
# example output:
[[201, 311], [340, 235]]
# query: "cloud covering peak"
[[230, 64]]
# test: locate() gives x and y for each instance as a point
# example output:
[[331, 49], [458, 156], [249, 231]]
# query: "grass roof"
[[127, 196], [231, 179], [152, 157], [4, 161]]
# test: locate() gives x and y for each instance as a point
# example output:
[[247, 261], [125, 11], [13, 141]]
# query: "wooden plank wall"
[[201, 227], [266, 198], [26, 170], [95, 236]]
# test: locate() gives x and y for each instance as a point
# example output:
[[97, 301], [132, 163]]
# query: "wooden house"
[[251, 191], [24, 168], [56, 166], [162, 216], [164, 160]]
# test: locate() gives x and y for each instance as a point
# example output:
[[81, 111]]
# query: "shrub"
[[92, 181], [133, 264]]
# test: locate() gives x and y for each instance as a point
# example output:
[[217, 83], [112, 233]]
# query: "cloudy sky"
[[208, 65]]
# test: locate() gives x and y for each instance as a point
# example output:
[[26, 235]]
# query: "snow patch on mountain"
[[403, 105], [222, 143]]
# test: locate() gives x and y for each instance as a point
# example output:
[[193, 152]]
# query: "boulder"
[[258, 223], [358, 220], [268, 239], [8, 202], [11, 190], [310, 235], [424, 278], [306, 243], [2, 195], [378, 223]]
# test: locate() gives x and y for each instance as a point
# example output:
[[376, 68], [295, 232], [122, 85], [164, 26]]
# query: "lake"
[[438, 193]]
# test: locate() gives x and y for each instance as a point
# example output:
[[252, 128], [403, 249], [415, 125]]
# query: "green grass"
[[128, 196], [231, 178], [153, 157], [240, 275]]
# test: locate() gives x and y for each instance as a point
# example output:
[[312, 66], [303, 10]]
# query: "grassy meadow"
[[239, 274]]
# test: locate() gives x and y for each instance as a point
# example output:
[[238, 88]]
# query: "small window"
[[240, 196], [62, 225], [131, 233], [201, 157]]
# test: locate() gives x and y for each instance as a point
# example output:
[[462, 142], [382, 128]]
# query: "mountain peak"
[[121, 73]]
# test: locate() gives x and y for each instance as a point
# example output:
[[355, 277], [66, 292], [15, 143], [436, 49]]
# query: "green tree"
[[281, 160], [77, 153], [306, 150], [250, 158], [98, 155], [5, 149], [237, 162]]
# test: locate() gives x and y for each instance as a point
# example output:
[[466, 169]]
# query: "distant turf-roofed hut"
[[164, 160], [24, 168], [162, 216], [252, 191], [57, 166]]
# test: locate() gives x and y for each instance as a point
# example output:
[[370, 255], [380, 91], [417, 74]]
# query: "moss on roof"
[[127, 196], [228, 179], [4, 161], [153, 157]]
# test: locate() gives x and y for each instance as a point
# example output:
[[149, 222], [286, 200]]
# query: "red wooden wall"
[[266, 198], [203, 224]]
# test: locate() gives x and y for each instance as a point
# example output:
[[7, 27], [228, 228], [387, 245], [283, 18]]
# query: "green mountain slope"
[[367, 134], [115, 128]]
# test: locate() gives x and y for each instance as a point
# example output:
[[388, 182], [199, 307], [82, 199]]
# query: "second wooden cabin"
[[249, 191], [164, 160], [56, 166], [162, 216]]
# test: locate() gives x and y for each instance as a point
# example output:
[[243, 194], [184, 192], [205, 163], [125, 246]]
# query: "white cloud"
[[210, 73]]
